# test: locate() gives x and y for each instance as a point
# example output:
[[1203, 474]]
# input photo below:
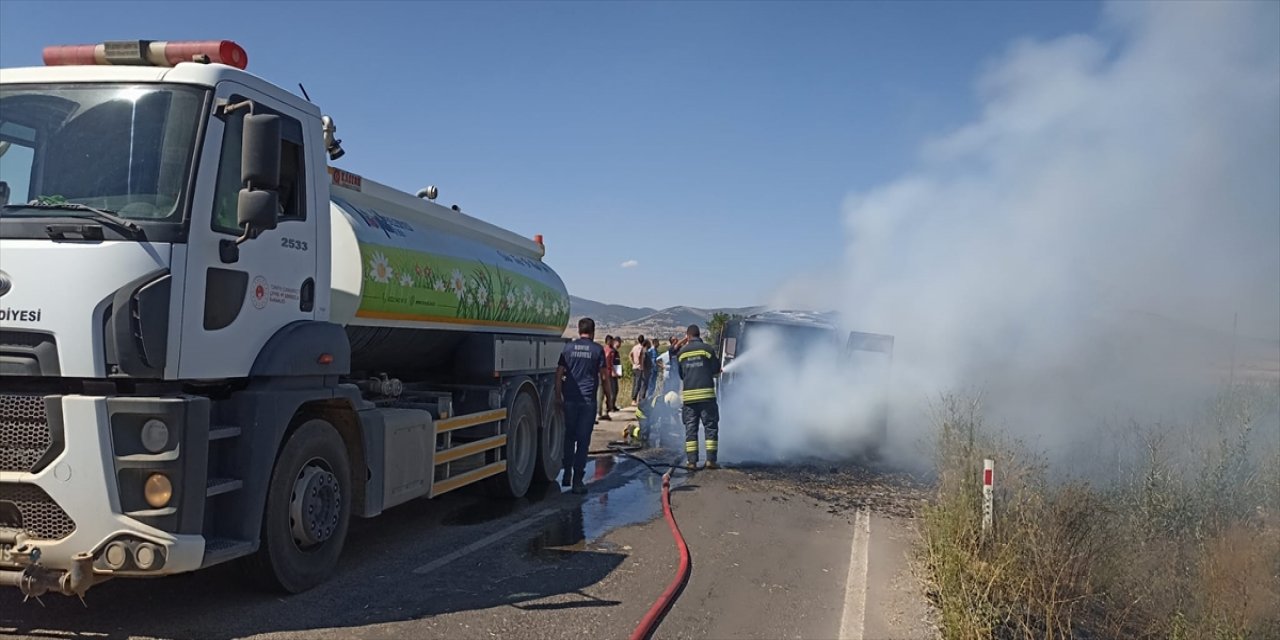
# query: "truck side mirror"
[[257, 210], [260, 152], [258, 205]]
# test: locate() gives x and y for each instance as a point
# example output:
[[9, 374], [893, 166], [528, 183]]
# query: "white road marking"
[[483, 542], [498, 535], [853, 622]]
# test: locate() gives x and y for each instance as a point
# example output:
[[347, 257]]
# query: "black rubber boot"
[[578, 486], [567, 478]]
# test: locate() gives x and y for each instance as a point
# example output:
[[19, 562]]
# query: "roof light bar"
[[148, 53]]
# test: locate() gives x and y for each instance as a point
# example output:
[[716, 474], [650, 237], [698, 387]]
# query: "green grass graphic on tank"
[[405, 284], [420, 270]]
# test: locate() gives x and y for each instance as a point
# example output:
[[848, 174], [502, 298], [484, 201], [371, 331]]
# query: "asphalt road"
[[769, 562]]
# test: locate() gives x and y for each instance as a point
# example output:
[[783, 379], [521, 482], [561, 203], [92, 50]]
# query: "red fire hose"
[[663, 604]]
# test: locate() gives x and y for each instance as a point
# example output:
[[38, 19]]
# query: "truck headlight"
[[155, 435], [157, 490]]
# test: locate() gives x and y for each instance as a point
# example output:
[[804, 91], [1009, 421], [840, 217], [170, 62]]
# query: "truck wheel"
[[308, 509], [522, 449], [550, 447], [874, 448]]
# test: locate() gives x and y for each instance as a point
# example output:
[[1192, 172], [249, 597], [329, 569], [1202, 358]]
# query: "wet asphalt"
[[767, 564]]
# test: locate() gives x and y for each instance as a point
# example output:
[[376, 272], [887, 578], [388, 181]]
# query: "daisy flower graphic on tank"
[[482, 294], [458, 283], [379, 269], [406, 280]]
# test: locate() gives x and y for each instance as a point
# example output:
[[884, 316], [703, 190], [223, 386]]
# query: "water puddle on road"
[[599, 468], [578, 528], [582, 529]]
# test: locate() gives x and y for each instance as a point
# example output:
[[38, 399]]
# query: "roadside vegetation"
[[1181, 541]]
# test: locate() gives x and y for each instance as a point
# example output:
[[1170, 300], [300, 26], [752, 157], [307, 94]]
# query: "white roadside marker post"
[[988, 473]]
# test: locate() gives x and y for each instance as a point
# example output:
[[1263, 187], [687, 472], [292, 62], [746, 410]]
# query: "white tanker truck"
[[215, 346]]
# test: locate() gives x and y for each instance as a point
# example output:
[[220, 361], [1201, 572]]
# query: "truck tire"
[[550, 447], [308, 509], [873, 447], [522, 449]]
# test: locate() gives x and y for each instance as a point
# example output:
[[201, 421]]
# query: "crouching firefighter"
[[658, 419], [699, 368]]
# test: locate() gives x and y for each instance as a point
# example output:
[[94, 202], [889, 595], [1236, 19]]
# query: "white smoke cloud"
[[792, 395], [1080, 249], [630, 264]]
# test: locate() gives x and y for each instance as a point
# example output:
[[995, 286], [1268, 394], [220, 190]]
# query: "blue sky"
[[711, 142]]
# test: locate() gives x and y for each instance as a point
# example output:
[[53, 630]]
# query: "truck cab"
[[158, 149]]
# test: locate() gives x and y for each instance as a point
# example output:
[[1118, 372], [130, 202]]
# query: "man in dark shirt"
[[582, 366], [615, 366], [651, 367], [606, 398]]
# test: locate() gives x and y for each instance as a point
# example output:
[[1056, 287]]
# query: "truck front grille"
[[28, 509], [25, 434]]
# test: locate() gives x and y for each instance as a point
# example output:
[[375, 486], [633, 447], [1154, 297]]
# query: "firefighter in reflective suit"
[[659, 420], [699, 368]]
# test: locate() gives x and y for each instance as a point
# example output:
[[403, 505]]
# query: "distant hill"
[[630, 321], [605, 314]]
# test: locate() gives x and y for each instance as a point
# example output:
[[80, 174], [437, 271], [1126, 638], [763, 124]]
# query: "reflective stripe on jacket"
[[698, 365]]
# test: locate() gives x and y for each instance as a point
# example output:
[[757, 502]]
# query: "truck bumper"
[[62, 526]]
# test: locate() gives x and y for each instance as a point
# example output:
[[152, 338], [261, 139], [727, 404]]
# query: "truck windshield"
[[124, 148]]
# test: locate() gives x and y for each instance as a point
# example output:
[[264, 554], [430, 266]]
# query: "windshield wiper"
[[95, 213]]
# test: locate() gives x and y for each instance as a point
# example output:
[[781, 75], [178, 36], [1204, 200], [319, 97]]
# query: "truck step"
[[222, 433], [218, 550], [218, 486]]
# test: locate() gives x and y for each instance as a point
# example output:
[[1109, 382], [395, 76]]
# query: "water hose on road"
[[649, 624], [653, 618]]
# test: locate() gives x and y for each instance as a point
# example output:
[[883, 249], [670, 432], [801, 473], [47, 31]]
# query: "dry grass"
[[1186, 544]]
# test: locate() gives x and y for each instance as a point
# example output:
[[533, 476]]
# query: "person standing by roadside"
[[664, 371], [606, 399], [616, 369], [651, 367], [637, 371], [672, 380], [582, 366]]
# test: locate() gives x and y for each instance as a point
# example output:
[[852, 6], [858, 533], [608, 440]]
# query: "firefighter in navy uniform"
[[580, 371], [699, 367]]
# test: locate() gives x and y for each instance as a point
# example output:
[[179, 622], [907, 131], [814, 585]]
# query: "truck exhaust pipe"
[[331, 143]]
